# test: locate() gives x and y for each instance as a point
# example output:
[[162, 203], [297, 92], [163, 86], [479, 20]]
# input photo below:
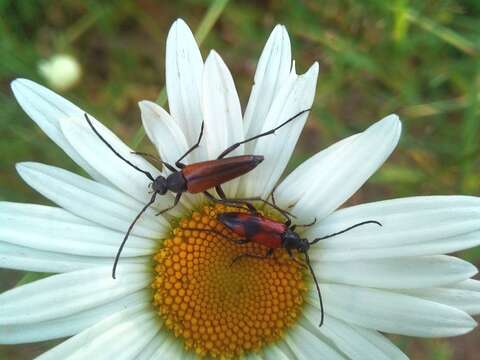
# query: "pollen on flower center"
[[222, 309]]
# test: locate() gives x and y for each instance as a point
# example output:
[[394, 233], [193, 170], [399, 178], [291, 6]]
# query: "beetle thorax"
[[176, 182]]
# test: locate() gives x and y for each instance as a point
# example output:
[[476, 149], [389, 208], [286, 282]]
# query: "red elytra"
[[274, 235], [256, 228], [205, 175], [198, 177]]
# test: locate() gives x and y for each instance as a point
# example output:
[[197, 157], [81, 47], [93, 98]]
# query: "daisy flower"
[[176, 295]]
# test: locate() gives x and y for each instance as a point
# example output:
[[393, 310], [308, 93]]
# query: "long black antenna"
[[318, 288], [343, 231], [269, 132], [115, 151], [117, 257]]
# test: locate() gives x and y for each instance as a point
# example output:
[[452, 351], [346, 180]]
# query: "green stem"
[[448, 35], [78, 29], [210, 18]]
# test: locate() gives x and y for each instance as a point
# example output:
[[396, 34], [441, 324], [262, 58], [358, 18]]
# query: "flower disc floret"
[[221, 308]]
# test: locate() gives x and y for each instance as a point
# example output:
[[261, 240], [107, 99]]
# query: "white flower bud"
[[61, 71]]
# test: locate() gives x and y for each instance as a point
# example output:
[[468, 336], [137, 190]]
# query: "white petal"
[[187, 355], [100, 157], [66, 236], [169, 349], [344, 169], [466, 300], [221, 108], [69, 325], [164, 132], [88, 199], [396, 273], [274, 352], [152, 347], [292, 188], [272, 72], [167, 136], [392, 312], [405, 221], [296, 95], [307, 346], [49, 110], [42, 212], [381, 342], [252, 356], [124, 342], [120, 336], [221, 112], [432, 247], [28, 259], [184, 68], [470, 284], [343, 336], [67, 294]]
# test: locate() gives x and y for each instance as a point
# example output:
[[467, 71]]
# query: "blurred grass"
[[418, 59]]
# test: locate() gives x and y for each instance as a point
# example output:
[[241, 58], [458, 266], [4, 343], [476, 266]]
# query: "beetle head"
[[292, 241], [159, 185], [304, 245]]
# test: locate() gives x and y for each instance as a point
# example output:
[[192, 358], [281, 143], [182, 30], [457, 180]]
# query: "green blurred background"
[[418, 59]]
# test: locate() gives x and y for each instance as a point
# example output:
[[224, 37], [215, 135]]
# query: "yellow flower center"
[[220, 308]]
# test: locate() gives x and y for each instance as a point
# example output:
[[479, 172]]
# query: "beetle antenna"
[[318, 288], [269, 132], [115, 151], [345, 230], [117, 257]]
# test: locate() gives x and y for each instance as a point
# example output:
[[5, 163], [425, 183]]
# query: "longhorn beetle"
[[197, 177], [274, 235]]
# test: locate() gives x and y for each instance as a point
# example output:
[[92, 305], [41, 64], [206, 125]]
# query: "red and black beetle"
[[274, 235], [197, 177]]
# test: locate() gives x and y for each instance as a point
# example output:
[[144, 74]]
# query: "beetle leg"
[[175, 202], [241, 241], [289, 251], [269, 132], [211, 197], [245, 202], [178, 163], [272, 195], [220, 192], [222, 195], [300, 263], [306, 225], [232, 202], [250, 207], [283, 212], [253, 256], [273, 192], [153, 157]]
